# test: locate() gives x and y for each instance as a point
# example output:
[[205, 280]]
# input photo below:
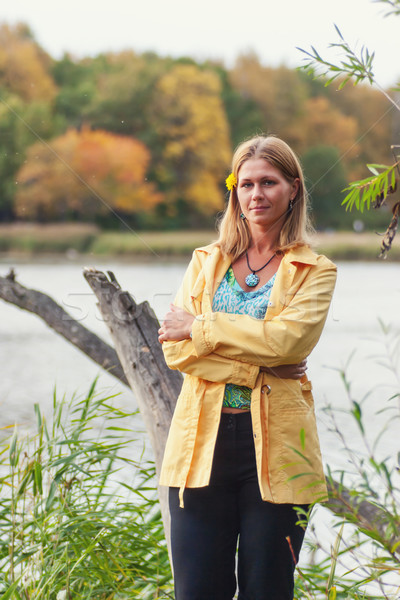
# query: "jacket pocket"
[[290, 395], [294, 448]]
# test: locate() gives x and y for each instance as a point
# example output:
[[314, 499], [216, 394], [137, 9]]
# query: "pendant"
[[252, 279]]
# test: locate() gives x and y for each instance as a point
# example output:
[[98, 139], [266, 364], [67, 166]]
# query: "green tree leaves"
[[374, 189]]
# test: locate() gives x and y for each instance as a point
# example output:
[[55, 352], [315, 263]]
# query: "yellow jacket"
[[230, 348]]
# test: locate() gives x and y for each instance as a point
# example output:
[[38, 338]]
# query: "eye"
[[246, 184], [268, 182]]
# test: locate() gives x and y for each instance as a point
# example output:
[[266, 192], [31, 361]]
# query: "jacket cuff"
[[246, 371]]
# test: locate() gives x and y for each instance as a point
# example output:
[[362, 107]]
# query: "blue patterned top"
[[231, 298]]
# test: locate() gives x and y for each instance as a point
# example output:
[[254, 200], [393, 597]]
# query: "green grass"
[[166, 243], [73, 239], [343, 252], [346, 245], [69, 528], [72, 528], [58, 238]]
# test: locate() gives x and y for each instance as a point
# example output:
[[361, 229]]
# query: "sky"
[[212, 29]]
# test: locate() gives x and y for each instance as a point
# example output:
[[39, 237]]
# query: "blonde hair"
[[234, 235]]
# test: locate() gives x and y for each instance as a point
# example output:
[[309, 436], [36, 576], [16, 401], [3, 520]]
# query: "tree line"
[[149, 139]]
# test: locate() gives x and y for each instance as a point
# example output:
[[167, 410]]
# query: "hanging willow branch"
[[357, 67]]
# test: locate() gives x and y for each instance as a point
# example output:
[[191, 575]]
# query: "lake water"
[[34, 359]]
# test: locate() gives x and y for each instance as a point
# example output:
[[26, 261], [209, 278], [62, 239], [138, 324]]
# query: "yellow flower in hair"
[[231, 182]]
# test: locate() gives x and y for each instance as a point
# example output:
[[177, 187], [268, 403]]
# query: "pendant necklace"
[[252, 279]]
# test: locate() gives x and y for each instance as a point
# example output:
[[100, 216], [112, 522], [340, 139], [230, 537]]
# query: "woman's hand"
[[287, 371], [176, 326]]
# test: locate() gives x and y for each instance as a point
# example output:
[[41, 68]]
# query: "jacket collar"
[[214, 269], [301, 254], [216, 266]]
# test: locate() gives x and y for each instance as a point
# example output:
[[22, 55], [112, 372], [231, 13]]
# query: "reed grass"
[[70, 529], [364, 561]]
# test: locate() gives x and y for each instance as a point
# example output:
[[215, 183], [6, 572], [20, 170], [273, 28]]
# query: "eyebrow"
[[262, 177]]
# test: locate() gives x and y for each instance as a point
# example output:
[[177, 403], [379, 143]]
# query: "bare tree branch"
[[366, 515], [58, 319]]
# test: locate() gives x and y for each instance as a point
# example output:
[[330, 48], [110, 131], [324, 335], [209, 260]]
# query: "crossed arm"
[[177, 327], [230, 350]]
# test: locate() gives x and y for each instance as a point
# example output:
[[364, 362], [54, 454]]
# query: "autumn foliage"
[[84, 173], [150, 138], [190, 122], [24, 67]]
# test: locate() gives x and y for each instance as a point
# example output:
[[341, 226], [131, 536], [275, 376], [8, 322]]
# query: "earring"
[[290, 205], [242, 216]]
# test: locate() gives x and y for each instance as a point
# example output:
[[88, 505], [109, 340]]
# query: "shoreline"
[[85, 242]]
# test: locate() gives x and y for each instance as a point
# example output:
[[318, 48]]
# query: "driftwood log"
[[133, 328], [138, 361]]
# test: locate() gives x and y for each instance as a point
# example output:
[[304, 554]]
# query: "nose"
[[257, 191]]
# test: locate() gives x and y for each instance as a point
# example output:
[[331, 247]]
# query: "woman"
[[243, 447]]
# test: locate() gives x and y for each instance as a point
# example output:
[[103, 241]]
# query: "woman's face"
[[264, 193]]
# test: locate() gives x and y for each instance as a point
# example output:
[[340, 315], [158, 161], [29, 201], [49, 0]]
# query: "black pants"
[[205, 533]]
